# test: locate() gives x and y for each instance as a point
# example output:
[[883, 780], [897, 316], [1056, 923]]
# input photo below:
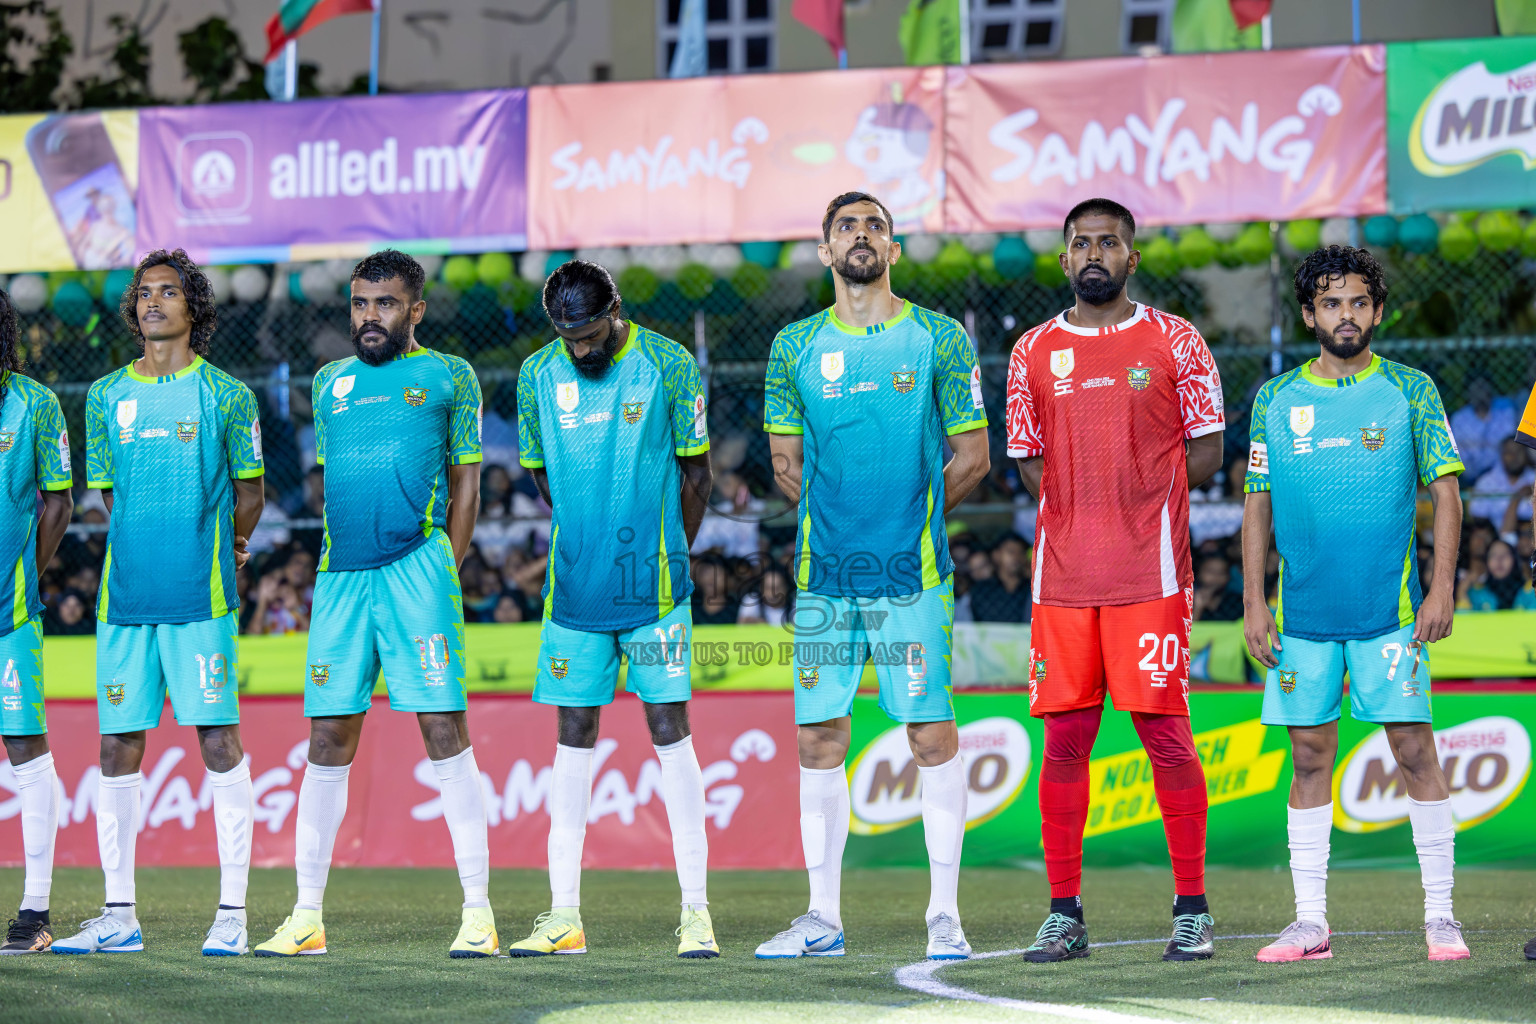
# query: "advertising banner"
[[325, 178], [68, 184], [1460, 114], [731, 158], [1216, 137]]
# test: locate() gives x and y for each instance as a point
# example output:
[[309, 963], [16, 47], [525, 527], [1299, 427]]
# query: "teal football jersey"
[[386, 436], [618, 556], [167, 447], [1343, 460], [874, 404], [34, 455]]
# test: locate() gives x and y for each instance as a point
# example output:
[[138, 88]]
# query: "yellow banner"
[[1120, 786], [68, 184]]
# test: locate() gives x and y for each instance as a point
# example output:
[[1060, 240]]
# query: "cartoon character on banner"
[[889, 144]]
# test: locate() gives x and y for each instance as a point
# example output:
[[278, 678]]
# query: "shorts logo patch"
[[1373, 438], [1037, 671], [558, 667], [1287, 681], [115, 693], [416, 396], [186, 431], [6, 440], [633, 411], [1138, 377], [319, 674], [809, 677], [903, 380]]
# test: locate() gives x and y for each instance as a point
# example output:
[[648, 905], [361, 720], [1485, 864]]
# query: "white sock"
[[1309, 830], [944, 797], [823, 834], [464, 810], [570, 797], [682, 787], [322, 805], [1434, 836], [234, 814], [117, 832], [38, 786]]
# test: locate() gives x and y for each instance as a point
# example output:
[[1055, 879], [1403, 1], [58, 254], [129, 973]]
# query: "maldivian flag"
[[299, 16], [930, 32], [1200, 26]]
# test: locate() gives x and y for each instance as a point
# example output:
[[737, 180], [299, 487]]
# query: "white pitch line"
[[921, 977]]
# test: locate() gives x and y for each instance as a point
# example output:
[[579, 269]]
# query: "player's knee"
[[578, 727], [933, 743], [330, 743], [668, 723], [21, 749], [221, 747], [1414, 748], [121, 753], [1311, 755]]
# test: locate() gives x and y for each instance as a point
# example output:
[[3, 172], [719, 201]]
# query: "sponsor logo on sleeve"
[[1450, 435], [700, 430], [1258, 458], [255, 440], [976, 387]]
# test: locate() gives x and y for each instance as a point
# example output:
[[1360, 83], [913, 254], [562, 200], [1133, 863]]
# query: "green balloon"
[[1303, 235], [459, 273], [1380, 231], [953, 264], [494, 269], [638, 284], [73, 304], [1418, 233], [1048, 272], [1011, 257], [1499, 230], [1253, 244], [1159, 257], [752, 279], [695, 281], [1458, 243], [1196, 248]]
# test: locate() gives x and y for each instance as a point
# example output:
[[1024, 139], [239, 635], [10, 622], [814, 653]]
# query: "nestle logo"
[[1520, 83]]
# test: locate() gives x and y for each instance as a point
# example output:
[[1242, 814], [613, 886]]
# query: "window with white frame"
[[739, 35], [1016, 28], [1146, 25]]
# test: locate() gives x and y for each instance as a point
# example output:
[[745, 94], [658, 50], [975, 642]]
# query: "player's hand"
[[242, 552], [1436, 615], [1258, 628]]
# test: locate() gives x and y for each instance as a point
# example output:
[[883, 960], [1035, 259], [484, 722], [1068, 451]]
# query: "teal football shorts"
[[578, 669], [1388, 680], [194, 663], [21, 684]]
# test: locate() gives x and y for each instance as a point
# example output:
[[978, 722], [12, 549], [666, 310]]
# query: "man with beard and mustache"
[[860, 401], [1340, 446], [1114, 413], [611, 423], [397, 431]]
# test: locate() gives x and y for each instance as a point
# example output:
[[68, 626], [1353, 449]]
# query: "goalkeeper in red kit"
[[1114, 412]]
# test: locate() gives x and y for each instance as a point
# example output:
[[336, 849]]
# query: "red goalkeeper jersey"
[[1109, 409]]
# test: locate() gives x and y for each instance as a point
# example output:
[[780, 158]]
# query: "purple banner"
[[258, 182]]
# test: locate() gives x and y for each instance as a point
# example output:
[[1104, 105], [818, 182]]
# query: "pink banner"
[[1179, 140], [745, 743], [731, 158]]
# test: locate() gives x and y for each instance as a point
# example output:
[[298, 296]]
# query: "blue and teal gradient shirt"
[[386, 436], [34, 455], [618, 556], [167, 447], [1343, 460], [874, 404]]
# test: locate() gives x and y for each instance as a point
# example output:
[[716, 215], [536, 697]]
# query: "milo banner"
[[68, 190], [1484, 742], [1460, 120]]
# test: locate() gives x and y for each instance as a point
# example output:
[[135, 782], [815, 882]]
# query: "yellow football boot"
[[301, 935], [477, 935], [556, 931], [696, 934]]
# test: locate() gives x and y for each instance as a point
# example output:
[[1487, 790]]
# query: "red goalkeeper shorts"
[[1139, 651]]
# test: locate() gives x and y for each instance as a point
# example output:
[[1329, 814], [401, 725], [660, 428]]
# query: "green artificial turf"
[[389, 930]]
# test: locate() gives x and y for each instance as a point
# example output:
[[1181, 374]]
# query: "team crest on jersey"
[[343, 386], [567, 396], [903, 380], [186, 431], [1038, 671], [6, 440], [319, 674], [127, 410], [809, 677], [1062, 363], [1303, 419], [115, 693], [632, 411], [558, 667], [416, 396], [1371, 437], [1287, 681], [1138, 377], [831, 365]]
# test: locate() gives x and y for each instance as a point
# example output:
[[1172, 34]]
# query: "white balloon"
[[977, 244], [431, 264], [530, 265], [1225, 232], [1336, 231], [1043, 240], [249, 284], [665, 260], [339, 270], [318, 285], [921, 248], [610, 258], [722, 259], [218, 280], [29, 292]]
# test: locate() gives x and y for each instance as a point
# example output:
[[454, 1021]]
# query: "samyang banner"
[[1279, 135], [264, 182], [1460, 115]]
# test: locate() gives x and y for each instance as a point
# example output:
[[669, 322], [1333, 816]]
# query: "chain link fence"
[[1471, 325]]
